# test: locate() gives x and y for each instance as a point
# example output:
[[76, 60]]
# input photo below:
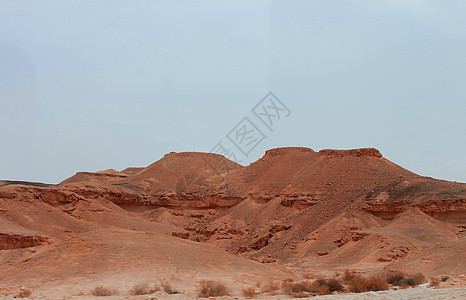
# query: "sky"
[[93, 85]]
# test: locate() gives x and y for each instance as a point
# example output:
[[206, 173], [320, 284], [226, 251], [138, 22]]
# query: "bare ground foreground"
[[293, 217], [401, 294]]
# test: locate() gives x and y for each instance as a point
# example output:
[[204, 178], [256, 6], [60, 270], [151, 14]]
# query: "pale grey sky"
[[91, 85]]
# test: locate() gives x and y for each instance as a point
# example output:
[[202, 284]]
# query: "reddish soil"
[[192, 215]]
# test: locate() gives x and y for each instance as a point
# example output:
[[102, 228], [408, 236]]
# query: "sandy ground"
[[421, 292], [410, 293]]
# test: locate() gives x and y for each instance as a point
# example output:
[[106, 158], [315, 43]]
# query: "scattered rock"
[[183, 235]]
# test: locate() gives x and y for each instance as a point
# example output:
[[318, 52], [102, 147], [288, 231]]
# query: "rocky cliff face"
[[16, 241], [362, 152], [442, 200], [297, 176]]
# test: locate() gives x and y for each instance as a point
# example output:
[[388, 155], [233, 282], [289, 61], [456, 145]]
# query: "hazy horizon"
[[88, 86]]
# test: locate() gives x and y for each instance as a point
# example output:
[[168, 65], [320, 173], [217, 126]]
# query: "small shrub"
[[155, 289], [376, 284], [419, 278], [445, 278], [321, 281], [101, 291], [212, 288], [140, 289], [300, 289], [287, 287], [357, 284], [24, 293], [272, 286], [434, 282], [335, 285], [249, 292], [400, 279], [307, 286], [144, 289], [312, 287], [323, 290], [395, 278], [167, 288], [360, 284], [407, 282], [348, 276], [297, 288]]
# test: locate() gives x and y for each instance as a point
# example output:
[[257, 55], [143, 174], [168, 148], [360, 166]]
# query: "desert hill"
[[176, 168], [53, 239], [106, 176], [293, 193], [292, 211]]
